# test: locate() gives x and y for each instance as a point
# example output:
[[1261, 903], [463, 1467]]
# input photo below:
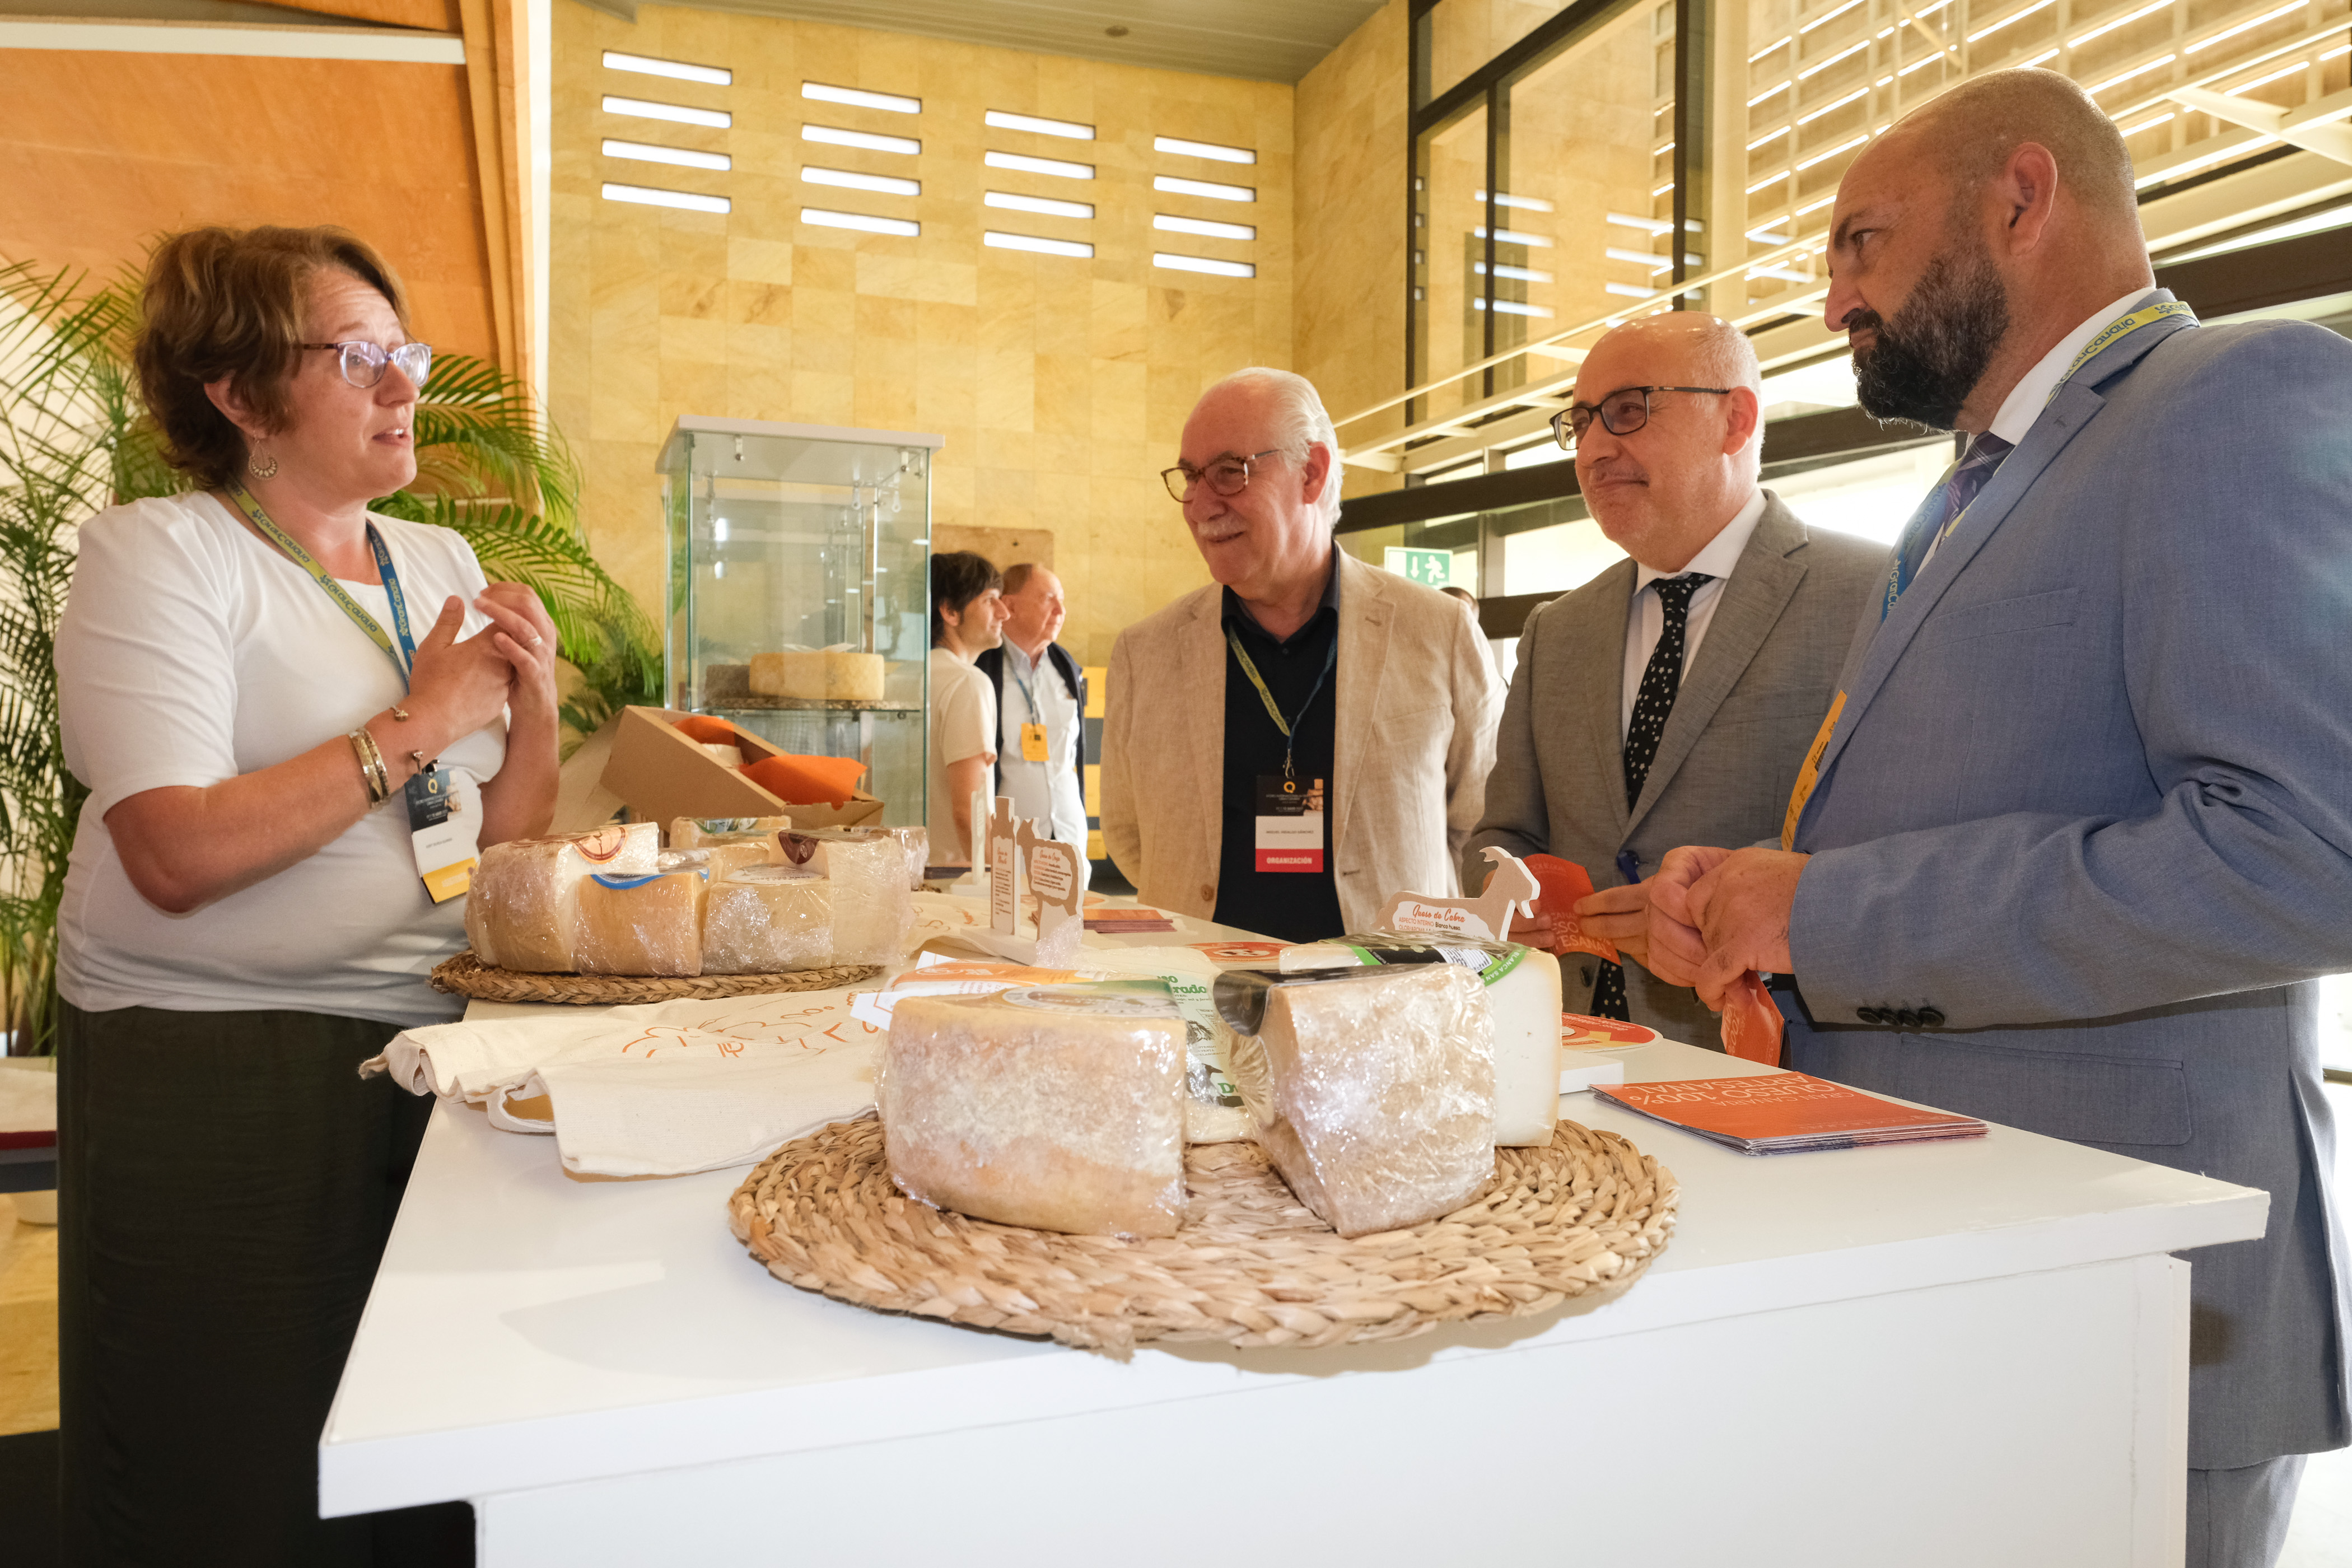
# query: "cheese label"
[[1289, 835], [1489, 961]]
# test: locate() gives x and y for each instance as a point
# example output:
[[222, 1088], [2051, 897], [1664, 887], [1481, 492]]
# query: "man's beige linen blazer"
[[1418, 703]]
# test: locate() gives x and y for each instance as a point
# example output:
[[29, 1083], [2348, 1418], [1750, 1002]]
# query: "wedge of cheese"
[[1522, 989], [641, 925], [1213, 1111], [1374, 1091], [721, 857], [767, 920], [522, 912], [1056, 1107], [873, 908]]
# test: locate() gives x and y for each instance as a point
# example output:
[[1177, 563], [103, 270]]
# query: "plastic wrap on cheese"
[[1213, 1111], [767, 920], [809, 847], [1522, 989], [873, 903], [522, 912], [641, 925], [1056, 1107], [1373, 1089]]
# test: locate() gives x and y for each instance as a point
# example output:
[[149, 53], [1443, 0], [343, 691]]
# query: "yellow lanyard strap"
[[1274, 711], [294, 552]]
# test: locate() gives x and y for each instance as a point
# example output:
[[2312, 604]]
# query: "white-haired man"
[[1669, 701], [1285, 749]]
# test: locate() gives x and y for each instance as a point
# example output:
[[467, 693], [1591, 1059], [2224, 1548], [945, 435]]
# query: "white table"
[[1962, 1354]]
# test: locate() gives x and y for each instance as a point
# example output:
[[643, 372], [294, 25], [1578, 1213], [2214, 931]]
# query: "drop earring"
[[255, 466]]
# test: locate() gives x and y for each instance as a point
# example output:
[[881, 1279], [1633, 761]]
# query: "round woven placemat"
[[1252, 1266], [466, 975]]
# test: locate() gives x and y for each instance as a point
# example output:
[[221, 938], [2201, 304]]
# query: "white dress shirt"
[[1044, 792], [1645, 620], [2034, 391], [2026, 400]]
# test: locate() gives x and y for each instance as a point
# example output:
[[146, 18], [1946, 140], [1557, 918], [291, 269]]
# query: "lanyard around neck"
[[1022, 680], [2114, 333], [293, 551], [1273, 709]]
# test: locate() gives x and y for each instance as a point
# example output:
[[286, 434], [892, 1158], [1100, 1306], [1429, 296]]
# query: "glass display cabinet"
[[799, 604]]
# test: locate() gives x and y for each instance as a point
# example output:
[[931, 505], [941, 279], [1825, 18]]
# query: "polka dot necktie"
[[1661, 682]]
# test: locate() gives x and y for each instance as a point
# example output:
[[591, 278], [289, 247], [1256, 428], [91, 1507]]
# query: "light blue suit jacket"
[[2090, 798]]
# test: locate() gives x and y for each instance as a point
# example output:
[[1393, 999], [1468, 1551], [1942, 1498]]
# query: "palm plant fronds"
[[479, 432]]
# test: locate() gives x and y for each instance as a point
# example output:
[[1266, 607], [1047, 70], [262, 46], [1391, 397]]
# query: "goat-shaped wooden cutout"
[[1056, 888], [1510, 888]]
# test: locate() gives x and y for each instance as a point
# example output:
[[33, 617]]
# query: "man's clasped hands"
[[1706, 917]]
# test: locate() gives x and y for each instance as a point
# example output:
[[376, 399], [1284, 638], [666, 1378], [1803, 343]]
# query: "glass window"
[[1460, 35], [1870, 496]]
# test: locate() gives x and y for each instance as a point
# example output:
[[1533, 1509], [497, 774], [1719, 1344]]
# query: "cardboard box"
[[663, 774]]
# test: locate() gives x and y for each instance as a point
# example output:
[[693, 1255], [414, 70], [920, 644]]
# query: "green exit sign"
[[1430, 568]]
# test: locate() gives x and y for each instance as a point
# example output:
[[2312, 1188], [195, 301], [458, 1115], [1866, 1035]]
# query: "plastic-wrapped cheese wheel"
[[1056, 1107], [641, 925], [1523, 990], [767, 920], [521, 912], [1374, 1088]]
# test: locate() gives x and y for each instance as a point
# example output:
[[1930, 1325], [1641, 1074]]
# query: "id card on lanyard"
[[1288, 812], [1034, 748], [444, 835]]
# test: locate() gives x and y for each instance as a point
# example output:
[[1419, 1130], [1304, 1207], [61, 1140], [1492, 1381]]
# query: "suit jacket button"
[[1870, 1015], [1907, 1019], [1931, 1018]]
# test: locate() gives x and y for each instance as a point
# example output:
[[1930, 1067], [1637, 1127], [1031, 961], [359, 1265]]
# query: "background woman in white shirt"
[[245, 919]]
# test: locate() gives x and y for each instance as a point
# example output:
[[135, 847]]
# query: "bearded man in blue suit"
[[2075, 840]]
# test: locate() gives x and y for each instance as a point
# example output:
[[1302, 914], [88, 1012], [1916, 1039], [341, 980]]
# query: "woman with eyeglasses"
[[298, 721]]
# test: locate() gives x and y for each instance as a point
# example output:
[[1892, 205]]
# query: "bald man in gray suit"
[[1669, 701]]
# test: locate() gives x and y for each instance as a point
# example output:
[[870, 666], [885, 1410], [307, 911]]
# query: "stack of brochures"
[[1784, 1113]]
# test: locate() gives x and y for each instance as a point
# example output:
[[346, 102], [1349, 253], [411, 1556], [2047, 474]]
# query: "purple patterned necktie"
[[1967, 482], [1662, 681]]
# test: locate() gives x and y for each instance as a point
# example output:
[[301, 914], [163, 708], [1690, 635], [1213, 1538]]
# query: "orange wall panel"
[[106, 150]]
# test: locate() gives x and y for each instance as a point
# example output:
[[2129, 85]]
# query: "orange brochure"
[[1782, 1113]]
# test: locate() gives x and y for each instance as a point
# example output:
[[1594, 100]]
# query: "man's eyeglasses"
[[1225, 476], [363, 364], [1621, 412]]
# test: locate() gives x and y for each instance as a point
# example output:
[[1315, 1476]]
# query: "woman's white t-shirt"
[[192, 651]]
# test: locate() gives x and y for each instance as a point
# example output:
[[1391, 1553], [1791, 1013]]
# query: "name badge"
[[445, 834], [1033, 743], [1289, 824]]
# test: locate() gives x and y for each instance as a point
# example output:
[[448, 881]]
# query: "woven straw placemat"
[[1252, 1266], [466, 975]]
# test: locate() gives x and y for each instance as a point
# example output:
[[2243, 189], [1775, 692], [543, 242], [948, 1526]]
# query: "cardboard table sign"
[[1032, 886], [1511, 888]]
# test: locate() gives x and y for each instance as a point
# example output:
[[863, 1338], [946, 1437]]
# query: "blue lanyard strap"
[[1273, 711], [1022, 682], [293, 551]]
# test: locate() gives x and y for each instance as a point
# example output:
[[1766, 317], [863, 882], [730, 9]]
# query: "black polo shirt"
[[1295, 906]]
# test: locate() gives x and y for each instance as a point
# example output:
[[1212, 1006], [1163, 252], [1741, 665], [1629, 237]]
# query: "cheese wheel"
[[1213, 1111], [1056, 1107], [641, 925], [767, 920], [806, 847], [873, 908], [1374, 1093], [521, 912], [1523, 990]]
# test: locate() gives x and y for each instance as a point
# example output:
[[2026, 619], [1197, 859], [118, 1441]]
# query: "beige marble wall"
[[1060, 383], [1351, 235]]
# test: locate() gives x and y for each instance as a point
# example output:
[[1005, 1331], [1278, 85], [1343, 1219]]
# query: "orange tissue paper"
[[806, 781], [709, 732]]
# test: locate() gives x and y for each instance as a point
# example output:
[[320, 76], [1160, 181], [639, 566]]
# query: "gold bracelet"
[[371, 771]]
